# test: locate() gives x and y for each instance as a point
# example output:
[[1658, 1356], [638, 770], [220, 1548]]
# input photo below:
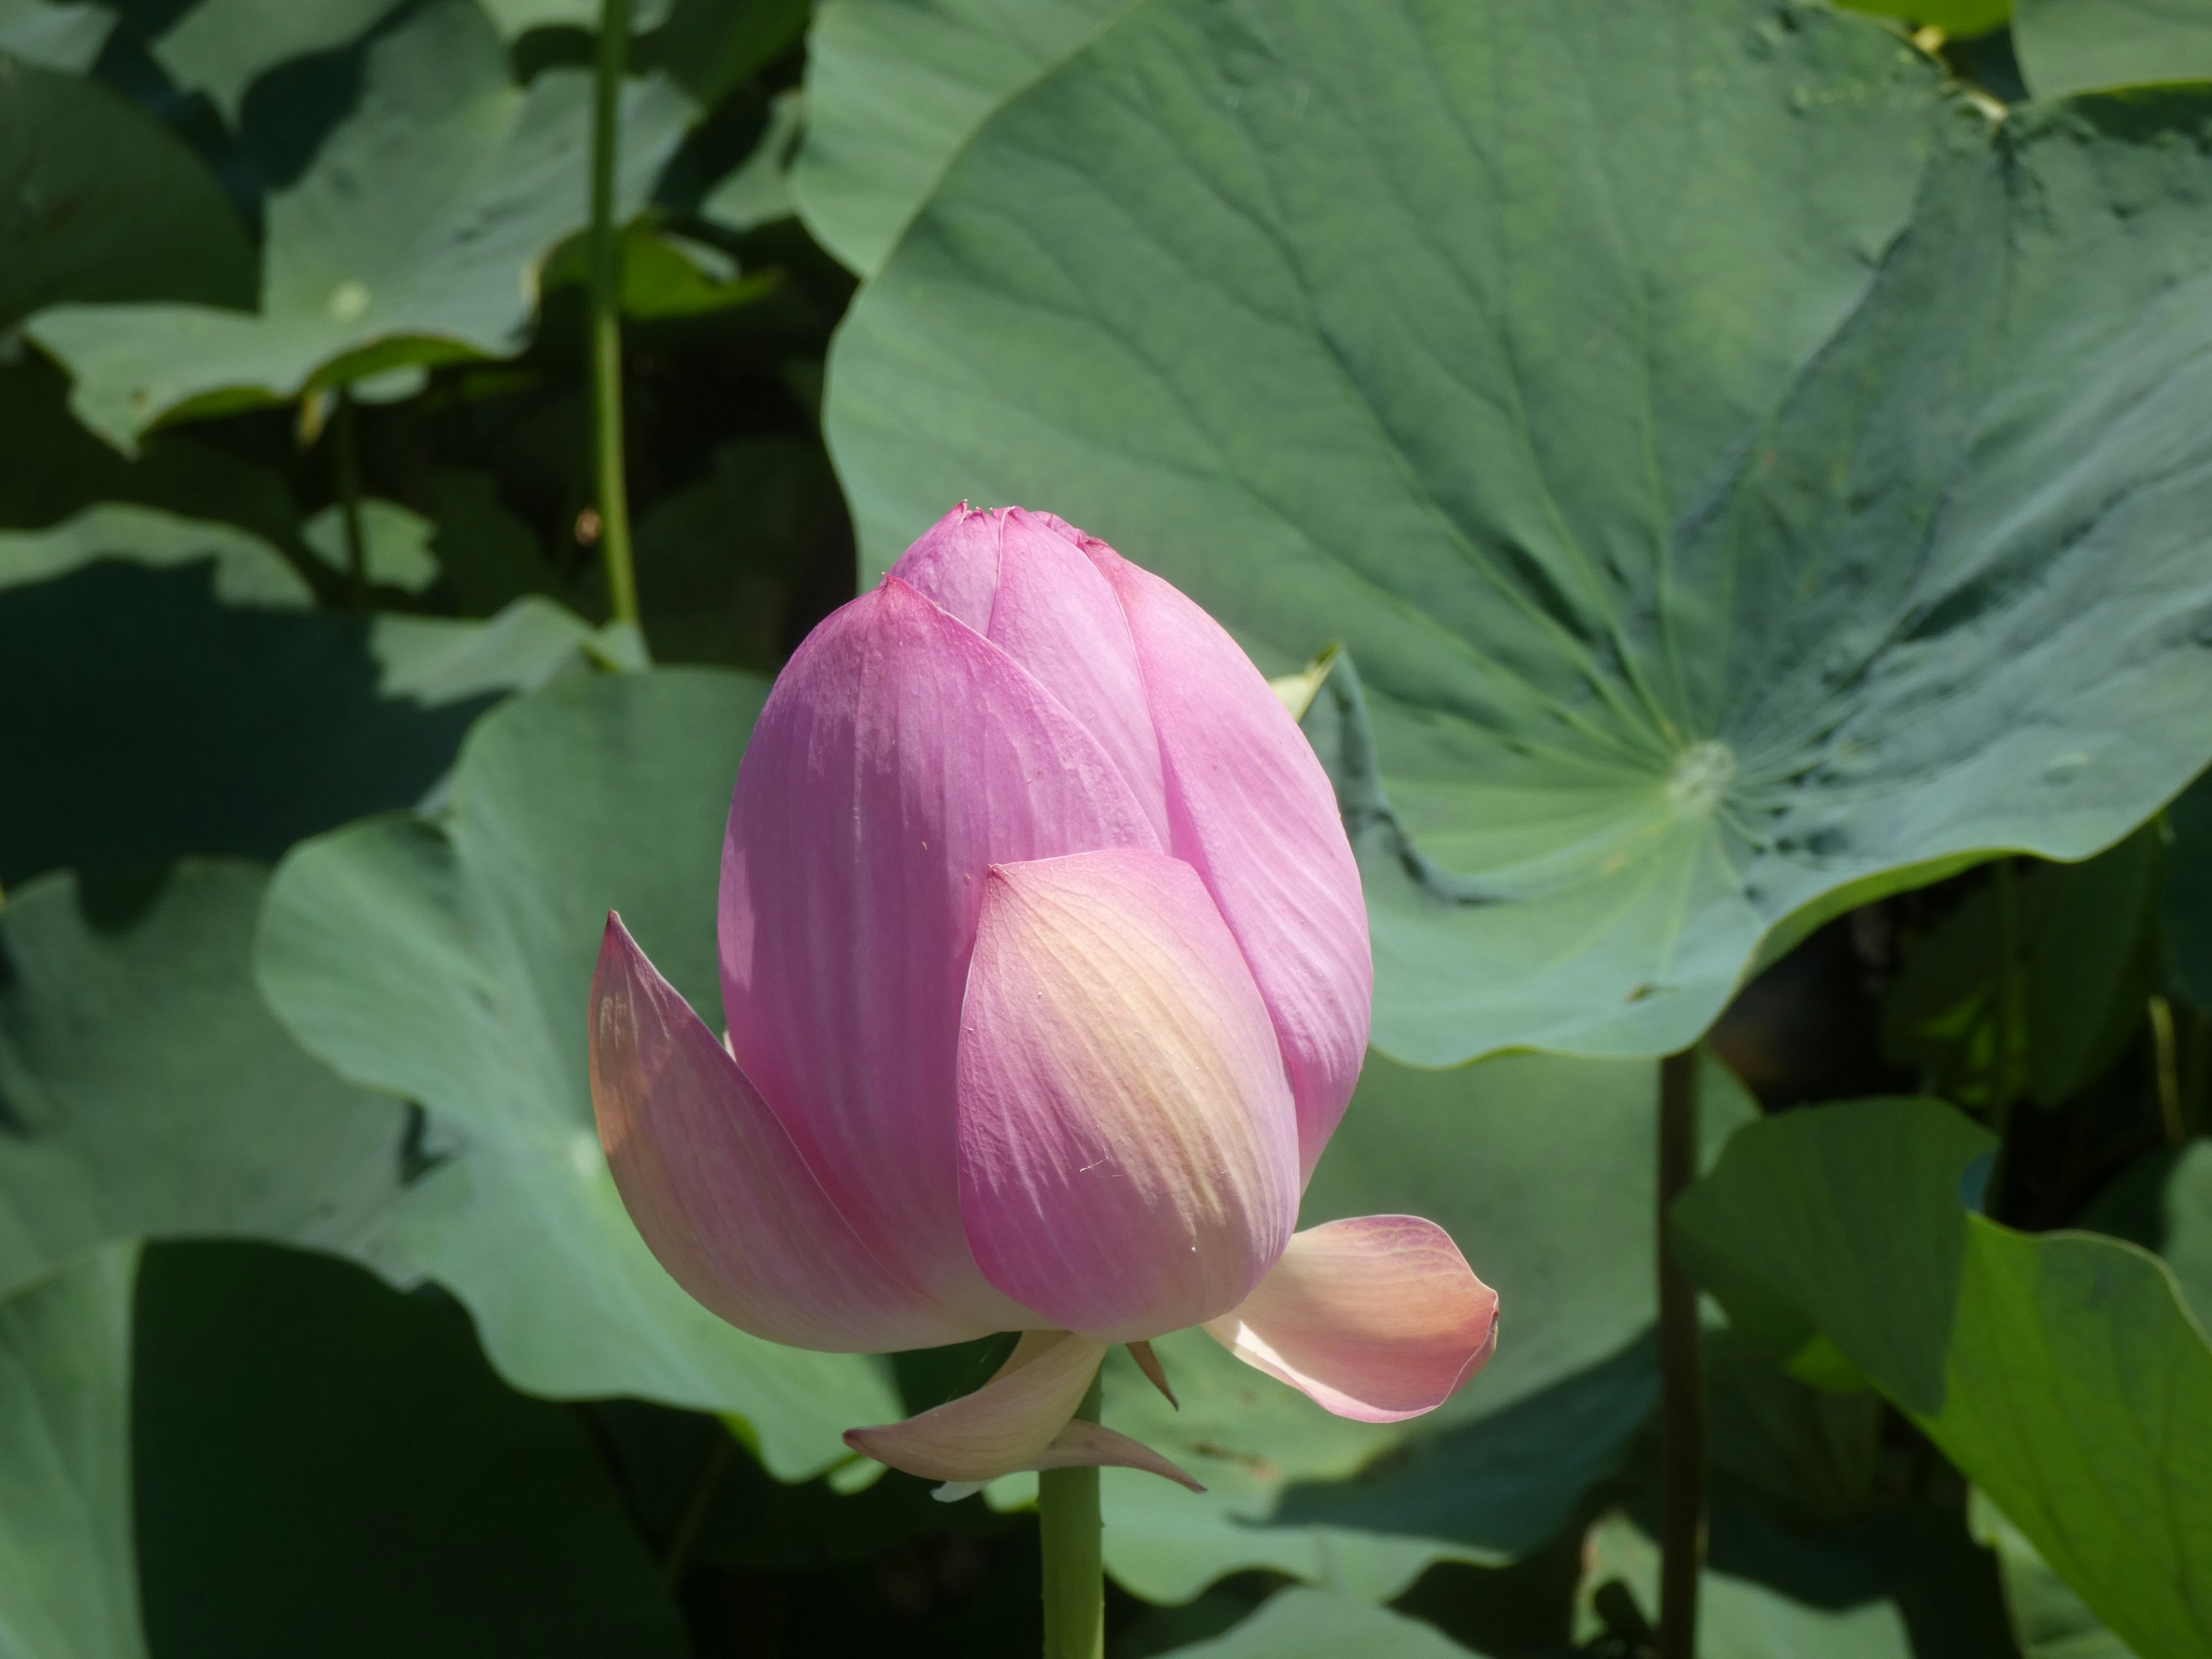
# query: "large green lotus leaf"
[[1708, 548], [1742, 1619], [2049, 1620], [1540, 1168], [53, 35], [68, 1587], [325, 1465], [449, 962], [1308, 1624], [2067, 46], [147, 1090], [99, 203], [221, 46], [2063, 1374], [190, 701], [519, 16], [895, 87], [414, 235]]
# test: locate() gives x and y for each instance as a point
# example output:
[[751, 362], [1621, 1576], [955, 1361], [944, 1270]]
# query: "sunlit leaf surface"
[[1804, 492], [445, 961]]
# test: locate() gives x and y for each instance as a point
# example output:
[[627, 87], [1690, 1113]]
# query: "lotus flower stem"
[[1682, 1406], [611, 487], [1074, 1580]]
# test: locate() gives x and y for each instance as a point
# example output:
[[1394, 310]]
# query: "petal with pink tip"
[[1022, 580], [899, 756], [1128, 1150], [1251, 809], [1378, 1318], [717, 1189], [1005, 1425]]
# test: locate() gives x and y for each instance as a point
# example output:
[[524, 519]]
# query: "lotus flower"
[[1046, 975]]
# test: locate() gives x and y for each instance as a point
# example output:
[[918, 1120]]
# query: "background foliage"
[[1723, 484]]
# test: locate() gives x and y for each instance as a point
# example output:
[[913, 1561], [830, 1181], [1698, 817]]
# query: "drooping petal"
[[717, 1189], [1005, 1425], [1022, 580], [1377, 1318], [899, 756], [1251, 809], [1022, 1418], [1128, 1150]]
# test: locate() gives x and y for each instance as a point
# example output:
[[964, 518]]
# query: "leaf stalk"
[[1682, 1406], [609, 478]]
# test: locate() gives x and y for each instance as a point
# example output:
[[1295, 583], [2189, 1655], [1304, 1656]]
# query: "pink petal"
[[1129, 1153], [717, 1189], [1377, 1318], [899, 756], [1005, 1425], [1254, 813], [1022, 580]]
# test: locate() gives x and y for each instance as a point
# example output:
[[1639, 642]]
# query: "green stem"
[[345, 462], [2168, 1054], [694, 1508], [1682, 1406], [606, 316], [1074, 1567]]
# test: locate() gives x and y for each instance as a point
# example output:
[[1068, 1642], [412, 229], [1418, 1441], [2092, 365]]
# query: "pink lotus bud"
[[1046, 975]]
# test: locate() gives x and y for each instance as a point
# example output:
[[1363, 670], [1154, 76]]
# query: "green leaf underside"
[[1807, 491], [2067, 46], [2085, 969], [447, 961], [102, 203], [1558, 1219], [148, 1092], [2061, 1373], [413, 237], [69, 1589], [894, 89], [2049, 1620], [2164, 1203], [325, 1465]]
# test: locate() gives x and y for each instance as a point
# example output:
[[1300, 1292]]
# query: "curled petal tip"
[[1084, 1445], [1149, 1363], [1378, 1319]]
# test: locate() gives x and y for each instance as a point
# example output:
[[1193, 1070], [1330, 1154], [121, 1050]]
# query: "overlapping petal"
[[1022, 580], [1378, 1318], [1128, 1151], [899, 757], [1251, 809], [1020, 1420], [718, 1190]]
